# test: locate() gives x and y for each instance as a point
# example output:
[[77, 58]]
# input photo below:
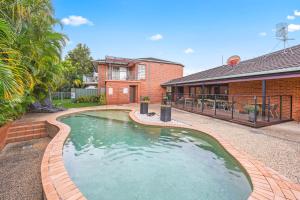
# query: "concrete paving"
[[20, 163]]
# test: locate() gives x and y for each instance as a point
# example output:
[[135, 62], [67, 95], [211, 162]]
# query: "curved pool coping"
[[57, 184]]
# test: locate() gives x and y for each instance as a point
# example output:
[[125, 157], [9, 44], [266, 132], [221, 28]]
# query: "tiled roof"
[[149, 59], [159, 60], [276, 62]]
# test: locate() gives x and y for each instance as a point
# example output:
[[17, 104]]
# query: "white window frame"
[[141, 72]]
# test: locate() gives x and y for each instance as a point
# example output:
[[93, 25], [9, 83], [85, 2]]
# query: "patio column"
[[202, 97], [263, 107]]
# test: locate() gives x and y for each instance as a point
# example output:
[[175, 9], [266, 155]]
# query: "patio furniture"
[[273, 111], [199, 104], [37, 107], [188, 101]]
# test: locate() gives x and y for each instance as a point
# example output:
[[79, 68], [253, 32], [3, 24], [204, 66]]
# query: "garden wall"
[[3, 135]]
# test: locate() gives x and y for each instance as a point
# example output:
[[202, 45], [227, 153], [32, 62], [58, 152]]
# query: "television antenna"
[[282, 33]]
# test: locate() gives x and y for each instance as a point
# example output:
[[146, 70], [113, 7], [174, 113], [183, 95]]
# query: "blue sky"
[[196, 33]]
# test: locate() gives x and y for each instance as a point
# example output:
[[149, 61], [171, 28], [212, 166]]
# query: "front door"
[[132, 94]]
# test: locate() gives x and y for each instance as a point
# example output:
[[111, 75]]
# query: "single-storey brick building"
[[126, 80], [268, 84]]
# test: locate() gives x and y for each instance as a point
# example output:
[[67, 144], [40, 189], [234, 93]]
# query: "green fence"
[[77, 92]]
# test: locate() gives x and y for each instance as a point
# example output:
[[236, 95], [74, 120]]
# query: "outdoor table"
[[188, 100], [214, 102]]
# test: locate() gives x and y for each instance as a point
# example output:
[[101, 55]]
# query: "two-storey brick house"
[[126, 80]]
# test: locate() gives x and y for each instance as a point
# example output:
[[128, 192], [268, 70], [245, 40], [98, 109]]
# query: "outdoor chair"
[[37, 107], [188, 102], [199, 104], [273, 111]]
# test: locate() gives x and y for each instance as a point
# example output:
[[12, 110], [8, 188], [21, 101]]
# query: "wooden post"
[[202, 101], [263, 107], [280, 114], [215, 104], [291, 107], [269, 108], [232, 107], [255, 109]]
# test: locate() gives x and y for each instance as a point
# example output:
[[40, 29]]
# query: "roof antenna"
[[282, 34], [222, 60]]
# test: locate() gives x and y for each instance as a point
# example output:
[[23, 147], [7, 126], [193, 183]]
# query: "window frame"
[[139, 72]]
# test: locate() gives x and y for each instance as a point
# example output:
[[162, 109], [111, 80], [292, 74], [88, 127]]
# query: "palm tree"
[[11, 72], [30, 52]]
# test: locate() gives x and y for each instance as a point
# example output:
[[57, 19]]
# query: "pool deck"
[[255, 149]]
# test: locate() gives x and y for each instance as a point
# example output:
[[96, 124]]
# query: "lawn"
[[67, 103]]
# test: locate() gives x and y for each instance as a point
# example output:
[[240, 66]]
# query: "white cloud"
[[297, 13], [290, 17], [76, 21], [262, 34], [294, 27], [189, 51], [156, 37]]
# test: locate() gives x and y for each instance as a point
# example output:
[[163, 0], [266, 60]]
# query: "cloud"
[[290, 17], [156, 37], [294, 27], [74, 20], [189, 51], [262, 34], [297, 13]]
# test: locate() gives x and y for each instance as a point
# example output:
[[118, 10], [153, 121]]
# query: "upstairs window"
[[141, 72]]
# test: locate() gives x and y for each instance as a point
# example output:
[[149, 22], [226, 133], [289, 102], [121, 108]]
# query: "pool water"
[[110, 157]]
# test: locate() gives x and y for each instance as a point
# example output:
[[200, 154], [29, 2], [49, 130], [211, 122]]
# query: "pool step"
[[22, 131]]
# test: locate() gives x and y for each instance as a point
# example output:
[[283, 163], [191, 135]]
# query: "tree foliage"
[[30, 54], [78, 62], [81, 59]]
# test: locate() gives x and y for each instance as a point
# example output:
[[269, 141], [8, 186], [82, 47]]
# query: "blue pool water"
[[110, 157]]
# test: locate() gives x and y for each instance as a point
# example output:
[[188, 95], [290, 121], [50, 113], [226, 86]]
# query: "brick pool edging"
[[57, 184]]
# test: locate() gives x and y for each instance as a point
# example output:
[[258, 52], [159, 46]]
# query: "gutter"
[[276, 71]]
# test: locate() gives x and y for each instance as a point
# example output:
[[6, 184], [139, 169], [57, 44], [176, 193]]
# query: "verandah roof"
[[278, 63]]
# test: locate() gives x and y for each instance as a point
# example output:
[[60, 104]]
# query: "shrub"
[[102, 99], [146, 98], [87, 99], [250, 108]]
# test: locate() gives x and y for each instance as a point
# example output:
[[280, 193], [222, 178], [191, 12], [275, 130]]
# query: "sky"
[[196, 33]]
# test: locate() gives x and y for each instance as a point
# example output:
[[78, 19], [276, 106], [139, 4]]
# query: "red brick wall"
[[102, 70], [290, 86], [3, 135], [156, 74], [118, 97]]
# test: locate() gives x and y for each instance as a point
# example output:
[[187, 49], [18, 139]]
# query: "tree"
[[80, 58], [30, 54]]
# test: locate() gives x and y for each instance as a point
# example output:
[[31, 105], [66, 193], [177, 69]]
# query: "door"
[[132, 94]]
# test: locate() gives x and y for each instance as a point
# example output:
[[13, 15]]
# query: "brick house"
[[126, 80], [269, 83]]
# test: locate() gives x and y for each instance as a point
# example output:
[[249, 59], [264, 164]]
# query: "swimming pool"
[[108, 156]]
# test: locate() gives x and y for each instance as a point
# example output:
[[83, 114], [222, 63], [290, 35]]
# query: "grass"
[[67, 103]]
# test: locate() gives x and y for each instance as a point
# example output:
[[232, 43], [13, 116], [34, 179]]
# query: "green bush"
[[146, 98], [102, 99], [87, 99]]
